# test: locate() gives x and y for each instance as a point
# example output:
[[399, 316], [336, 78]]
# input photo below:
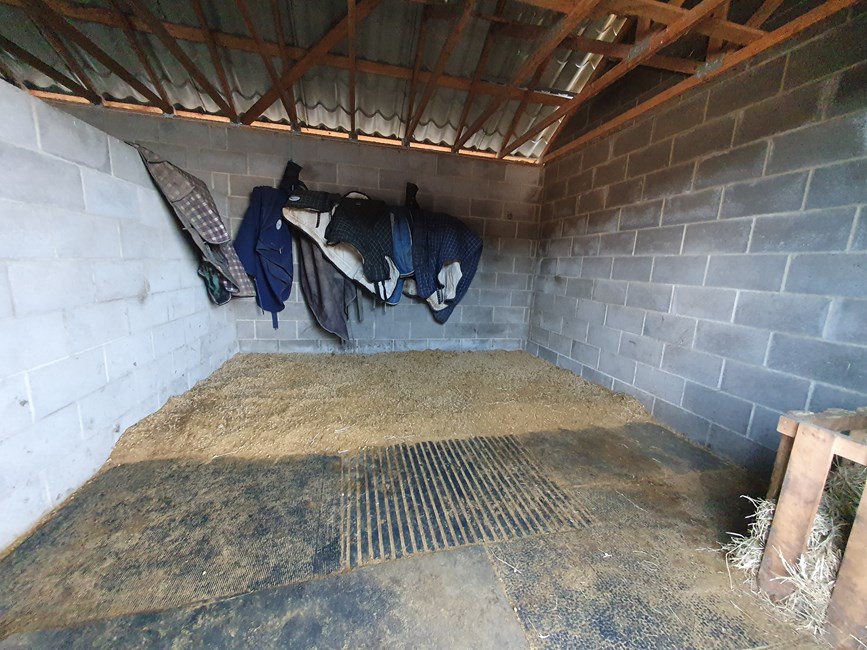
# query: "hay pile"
[[815, 572]]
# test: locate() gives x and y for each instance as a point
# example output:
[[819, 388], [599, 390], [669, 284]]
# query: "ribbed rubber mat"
[[428, 496]]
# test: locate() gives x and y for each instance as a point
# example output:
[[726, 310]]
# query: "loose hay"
[[814, 574]]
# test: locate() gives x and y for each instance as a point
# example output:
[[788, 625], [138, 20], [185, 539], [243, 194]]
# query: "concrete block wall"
[[499, 201], [102, 317], [711, 259]]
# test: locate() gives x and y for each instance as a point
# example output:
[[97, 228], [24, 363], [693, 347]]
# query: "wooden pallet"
[[808, 444]]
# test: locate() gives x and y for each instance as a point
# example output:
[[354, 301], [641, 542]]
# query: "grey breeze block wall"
[[499, 201], [711, 259], [102, 317]]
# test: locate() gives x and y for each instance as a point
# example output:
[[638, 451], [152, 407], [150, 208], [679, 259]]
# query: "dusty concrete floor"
[[559, 537]]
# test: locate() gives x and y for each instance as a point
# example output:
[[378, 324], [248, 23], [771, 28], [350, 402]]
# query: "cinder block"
[[834, 51], [757, 272], [679, 118], [109, 196], [627, 319], [35, 178], [679, 269], [659, 241], [617, 366], [490, 298], [632, 268], [595, 154], [704, 302], [780, 113], [746, 88], [674, 180], [603, 338], [610, 172], [592, 312], [669, 328], [245, 140], [229, 162], [848, 321], [88, 326], [734, 165], [690, 364], [828, 274], [772, 389], [705, 139], [242, 186], [610, 292], [597, 377], [591, 201], [650, 159], [61, 383], [15, 406], [596, 267], [737, 447], [579, 287], [639, 348], [732, 341], [620, 243], [520, 174], [691, 425], [844, 184], [603, 221], [693, 207], [764, 196], [796, 314], [654, 297], [815, 230], [632, 138], [126, 163], [624, 193], [844, 366], [640, 215], [40, 287], [569, 267], [763, 427], [659, 383], [18, 126], [717, 237], [849, 93], [579, 183], [730, 412], [825, 397], [820, 144], [71, 139]]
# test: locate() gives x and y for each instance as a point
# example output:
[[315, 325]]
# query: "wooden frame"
[[808, 444]]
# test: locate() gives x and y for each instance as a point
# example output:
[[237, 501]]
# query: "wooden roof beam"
[[542, 52], [481, 64], [208, 38], [523, 105], [445, 54], [765, 10], [28, 59], [641, 50], [61, 26], [707, 73], [413, 83], [172, 46], [132, 39], [287, 96], [314, 56]]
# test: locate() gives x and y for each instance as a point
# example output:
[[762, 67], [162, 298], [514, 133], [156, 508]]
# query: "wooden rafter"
[[708, 72], [597, 72], [62, 27], [6, 73], [714, 44], [645, 48], [416, 70], [208, 39], [134, 43], [351, 30], [523, 105], [284, 57], [65, 54], [579, 12], [445, 54], [313, 56], [284, 92], [28, 59], [765, 10], [172, 46]]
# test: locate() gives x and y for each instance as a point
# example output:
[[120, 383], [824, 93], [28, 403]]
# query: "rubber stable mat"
[[429, 496], [161, 534]]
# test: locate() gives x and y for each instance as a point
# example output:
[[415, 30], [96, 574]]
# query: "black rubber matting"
[[429, 496], [160, 534]]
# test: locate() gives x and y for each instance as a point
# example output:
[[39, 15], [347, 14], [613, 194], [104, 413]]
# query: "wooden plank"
[[764, 12], [314, 56], [284, 57], [833, 419], [413, 84], [353, 65], [640, 51], [61, 26], [846, 619], [714, 44], [781, 463], [208, 39], [708, 73], [132, 39], [522, 106], [540, 53], [812, 454], [172, 46], [445, 54], [288, 103], [28, 59]]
